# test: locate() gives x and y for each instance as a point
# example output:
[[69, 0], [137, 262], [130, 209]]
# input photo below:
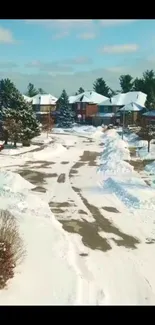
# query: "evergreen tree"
[[41, 91], [126, 83], [31, 91], [146, 84], [13, 106], [81, 90], [65, 114], [101, 87]]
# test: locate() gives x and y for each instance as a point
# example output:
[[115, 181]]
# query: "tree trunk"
[[15, 143], [148, 146], [26, 143], [6, 136]]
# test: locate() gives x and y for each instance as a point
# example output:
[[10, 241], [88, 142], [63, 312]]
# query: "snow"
[[124, 99], [87, 97], [14, 181], [44, 99], [144, 154], [132, 107], [17, 151], [115, 151], [119, 174], [119, 275], [46, 154], [150, 168], [43, 138], [39, 279]]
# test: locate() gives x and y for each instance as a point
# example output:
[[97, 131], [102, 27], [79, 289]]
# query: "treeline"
[[146, 84]]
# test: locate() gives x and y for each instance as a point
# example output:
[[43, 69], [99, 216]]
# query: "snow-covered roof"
[[42, 113], [27, 99], [105, 114], [132, 107], [126, 98], [150, 113], [87, 97], [44, 99]]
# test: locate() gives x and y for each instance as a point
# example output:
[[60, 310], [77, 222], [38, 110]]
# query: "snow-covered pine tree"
[[13, 106], [65, 114]]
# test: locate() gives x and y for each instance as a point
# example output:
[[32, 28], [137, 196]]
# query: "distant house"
[[148, 117], [115, 104], [85, 105], [27, 99], [44, 104]]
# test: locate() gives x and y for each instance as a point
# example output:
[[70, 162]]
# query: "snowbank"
[[14, 181], [110, 168], [113, 156], [83, 130], [119, 177], [150, 168], [38, 280], [133, 140], [134, 196], [144, 154]]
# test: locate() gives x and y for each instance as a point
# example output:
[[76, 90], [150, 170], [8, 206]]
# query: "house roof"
[[44, 99], [27, 99], [132, 107], [150, 113], [105, 114], [87, 97], [126, 98]]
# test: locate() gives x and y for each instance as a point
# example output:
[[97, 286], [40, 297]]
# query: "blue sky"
[[57, 54]]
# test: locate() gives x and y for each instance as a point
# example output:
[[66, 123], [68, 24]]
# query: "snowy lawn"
[[9, 150]]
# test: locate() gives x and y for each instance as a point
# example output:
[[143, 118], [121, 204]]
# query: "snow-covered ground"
[[87, 220]]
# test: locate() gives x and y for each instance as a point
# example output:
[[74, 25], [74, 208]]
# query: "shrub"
[[11, 247]]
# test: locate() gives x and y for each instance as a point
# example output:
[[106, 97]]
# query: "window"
[[105, 109], [78, 106]]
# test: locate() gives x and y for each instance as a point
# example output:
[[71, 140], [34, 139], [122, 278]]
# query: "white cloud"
[[116, 69], [6, 36], [63, 24], [84, 28], [71, 81], [8, 65], [66, 65], [61, 35], [119, 49], [87, 36]]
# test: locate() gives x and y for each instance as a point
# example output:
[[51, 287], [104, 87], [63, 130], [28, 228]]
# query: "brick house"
[[85, 105], [43, 105], [114, 106]]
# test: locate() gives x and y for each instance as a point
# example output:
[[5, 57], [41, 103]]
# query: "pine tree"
[[31, 90], [13, 106], [65, 114]]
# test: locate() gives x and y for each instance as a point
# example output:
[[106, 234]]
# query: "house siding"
[[44, 108], [91, 109]]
